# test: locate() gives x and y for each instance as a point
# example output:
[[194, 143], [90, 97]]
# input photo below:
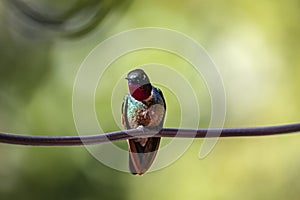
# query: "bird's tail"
[[141, 157]]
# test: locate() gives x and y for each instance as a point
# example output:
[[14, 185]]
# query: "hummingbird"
[[143, 107]]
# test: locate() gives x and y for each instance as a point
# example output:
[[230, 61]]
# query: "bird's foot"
[[148, 131], [141, 128], [141, 139]]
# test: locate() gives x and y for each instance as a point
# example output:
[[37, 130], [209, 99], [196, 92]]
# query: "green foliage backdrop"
[[256, 47]]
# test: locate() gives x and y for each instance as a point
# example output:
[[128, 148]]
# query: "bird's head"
[[139, 84]]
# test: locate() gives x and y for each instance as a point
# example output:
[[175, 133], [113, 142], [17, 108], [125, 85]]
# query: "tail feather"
[[141, 157]]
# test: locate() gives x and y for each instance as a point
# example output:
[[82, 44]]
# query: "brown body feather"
[[149, 114]]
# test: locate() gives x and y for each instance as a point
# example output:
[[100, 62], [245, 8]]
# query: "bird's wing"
[[125, 122], [164, 102], [134, 147], [162, 96], [140, 157]]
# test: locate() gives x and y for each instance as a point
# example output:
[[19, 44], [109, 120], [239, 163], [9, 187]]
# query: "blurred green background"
[[255, 44]]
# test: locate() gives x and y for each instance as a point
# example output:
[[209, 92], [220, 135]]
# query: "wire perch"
[[18, 139]]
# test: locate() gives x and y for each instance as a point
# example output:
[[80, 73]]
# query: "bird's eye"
[[134, 80]]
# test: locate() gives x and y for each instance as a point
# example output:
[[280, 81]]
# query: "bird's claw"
[[141, 128]]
